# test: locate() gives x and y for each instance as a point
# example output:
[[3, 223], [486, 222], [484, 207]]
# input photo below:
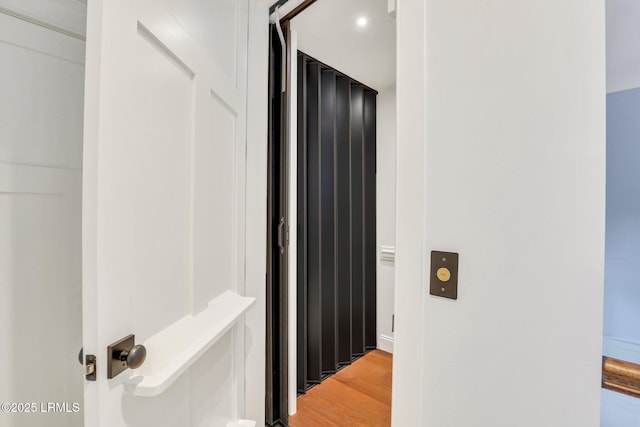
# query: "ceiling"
[[327, 31]]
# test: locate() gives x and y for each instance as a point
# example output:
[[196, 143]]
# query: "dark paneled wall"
[[336, 220]]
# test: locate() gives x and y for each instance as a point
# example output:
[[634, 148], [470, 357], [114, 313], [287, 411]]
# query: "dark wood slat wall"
[[336, 217]]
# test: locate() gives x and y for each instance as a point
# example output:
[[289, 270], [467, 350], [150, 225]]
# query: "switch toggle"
[[444, 274]]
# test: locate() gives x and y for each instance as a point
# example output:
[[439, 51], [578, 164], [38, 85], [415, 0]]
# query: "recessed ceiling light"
[[361, 22]]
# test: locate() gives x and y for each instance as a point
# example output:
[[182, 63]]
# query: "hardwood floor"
[[358, 395]]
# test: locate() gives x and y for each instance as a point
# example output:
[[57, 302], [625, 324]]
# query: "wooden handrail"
[[621, 376]]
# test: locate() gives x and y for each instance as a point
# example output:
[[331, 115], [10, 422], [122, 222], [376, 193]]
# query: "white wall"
[[386, 214], [501, 157]]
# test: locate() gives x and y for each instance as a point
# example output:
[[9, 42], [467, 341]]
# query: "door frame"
[[280, 315], [277, 387], [277, 237], [256, 219]]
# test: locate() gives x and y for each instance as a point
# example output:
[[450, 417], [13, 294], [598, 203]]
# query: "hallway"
[[358, 395]]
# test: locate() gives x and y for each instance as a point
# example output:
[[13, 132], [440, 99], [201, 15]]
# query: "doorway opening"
[[336, 207], [344, 43]]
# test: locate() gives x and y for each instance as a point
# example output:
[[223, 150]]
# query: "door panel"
[[40, 283], [212, 372], [164, 200], [158, 158], [222, 42], [214, 245]]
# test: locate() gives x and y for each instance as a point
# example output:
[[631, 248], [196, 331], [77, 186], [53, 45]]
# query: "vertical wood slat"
[[357, 221], [343, 219], [314, 227], [301, 367], [369, 219], [327, 218]]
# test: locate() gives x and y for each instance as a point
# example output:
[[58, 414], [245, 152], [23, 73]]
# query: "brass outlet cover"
[[444, 274], [115, 366]]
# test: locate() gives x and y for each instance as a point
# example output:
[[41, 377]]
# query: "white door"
[[164, 209], [41, 98]]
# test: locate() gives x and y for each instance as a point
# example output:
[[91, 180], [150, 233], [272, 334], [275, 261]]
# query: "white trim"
[[256, 209], [409, 360], [42, 23], [180, 345], [68, 17], [288, 6], [385, 343]]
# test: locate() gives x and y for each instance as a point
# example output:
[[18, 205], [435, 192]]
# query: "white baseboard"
[[385, 343]]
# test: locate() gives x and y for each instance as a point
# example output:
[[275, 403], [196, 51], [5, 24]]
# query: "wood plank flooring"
[[358, 395]]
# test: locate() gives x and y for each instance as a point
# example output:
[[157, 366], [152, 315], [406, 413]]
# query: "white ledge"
[[174, 349]]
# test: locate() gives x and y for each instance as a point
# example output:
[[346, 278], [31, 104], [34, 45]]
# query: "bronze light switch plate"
[[444, 274]]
